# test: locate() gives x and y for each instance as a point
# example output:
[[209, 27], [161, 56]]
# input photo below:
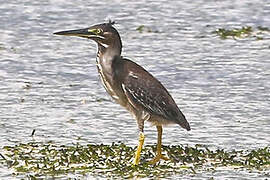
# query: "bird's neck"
[[108, 53], [106, 56]]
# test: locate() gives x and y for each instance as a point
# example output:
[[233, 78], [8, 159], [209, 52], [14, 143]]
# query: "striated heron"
[[131, 85]]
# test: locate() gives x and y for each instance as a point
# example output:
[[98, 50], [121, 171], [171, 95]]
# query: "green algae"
[[243, 32], [2, 47], [50, 160], [145, 29]]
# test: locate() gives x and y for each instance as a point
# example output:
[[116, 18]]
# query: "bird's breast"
[[107, 80]]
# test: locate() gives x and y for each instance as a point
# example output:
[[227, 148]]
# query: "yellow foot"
[[139, 149], [157, 158]]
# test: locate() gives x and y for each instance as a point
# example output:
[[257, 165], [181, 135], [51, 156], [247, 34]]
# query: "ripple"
[[222, 86]]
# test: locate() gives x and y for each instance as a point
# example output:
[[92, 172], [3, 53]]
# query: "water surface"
[[50, 83]]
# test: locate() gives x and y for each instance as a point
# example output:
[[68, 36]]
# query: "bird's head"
[[103, 34]]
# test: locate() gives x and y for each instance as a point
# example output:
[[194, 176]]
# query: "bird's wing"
[[146, 91]]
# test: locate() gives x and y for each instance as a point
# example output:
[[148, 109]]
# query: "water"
[[50, 83]]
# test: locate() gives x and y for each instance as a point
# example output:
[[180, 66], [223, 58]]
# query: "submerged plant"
[[145, 29], [50, 160], [243, 32]]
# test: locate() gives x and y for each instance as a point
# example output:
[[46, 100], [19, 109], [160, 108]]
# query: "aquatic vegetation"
[[145, 29], [2, 47], [243, 32], [142, 29], [263, 28], [42, 160]]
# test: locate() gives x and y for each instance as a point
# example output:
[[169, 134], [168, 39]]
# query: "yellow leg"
[[139, 149], [158, 155]]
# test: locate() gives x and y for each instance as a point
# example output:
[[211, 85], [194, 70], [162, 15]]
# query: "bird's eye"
[[98, 31]]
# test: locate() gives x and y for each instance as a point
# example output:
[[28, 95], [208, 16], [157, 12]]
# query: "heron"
[[131, 86]]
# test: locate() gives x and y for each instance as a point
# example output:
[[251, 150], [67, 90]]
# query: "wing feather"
[[150, 95], [144, 91]]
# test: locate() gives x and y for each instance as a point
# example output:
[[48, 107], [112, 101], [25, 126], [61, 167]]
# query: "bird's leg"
[[139, 149], [158, 155]]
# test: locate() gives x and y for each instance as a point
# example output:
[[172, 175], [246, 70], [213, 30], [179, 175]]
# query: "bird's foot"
[[136, 159], [157, 158], [139, 149]]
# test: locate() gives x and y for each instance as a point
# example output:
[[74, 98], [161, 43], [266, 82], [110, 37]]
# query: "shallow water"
[[50, 83]]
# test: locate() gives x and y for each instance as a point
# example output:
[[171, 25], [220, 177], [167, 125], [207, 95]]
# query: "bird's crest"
[[111, 22]]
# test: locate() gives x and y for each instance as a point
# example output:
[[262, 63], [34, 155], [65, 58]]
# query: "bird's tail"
[[183, 122]]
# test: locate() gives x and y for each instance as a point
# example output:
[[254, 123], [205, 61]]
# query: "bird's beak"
[[85, 33]]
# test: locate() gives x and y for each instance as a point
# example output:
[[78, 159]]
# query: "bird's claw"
[[157, 158]]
